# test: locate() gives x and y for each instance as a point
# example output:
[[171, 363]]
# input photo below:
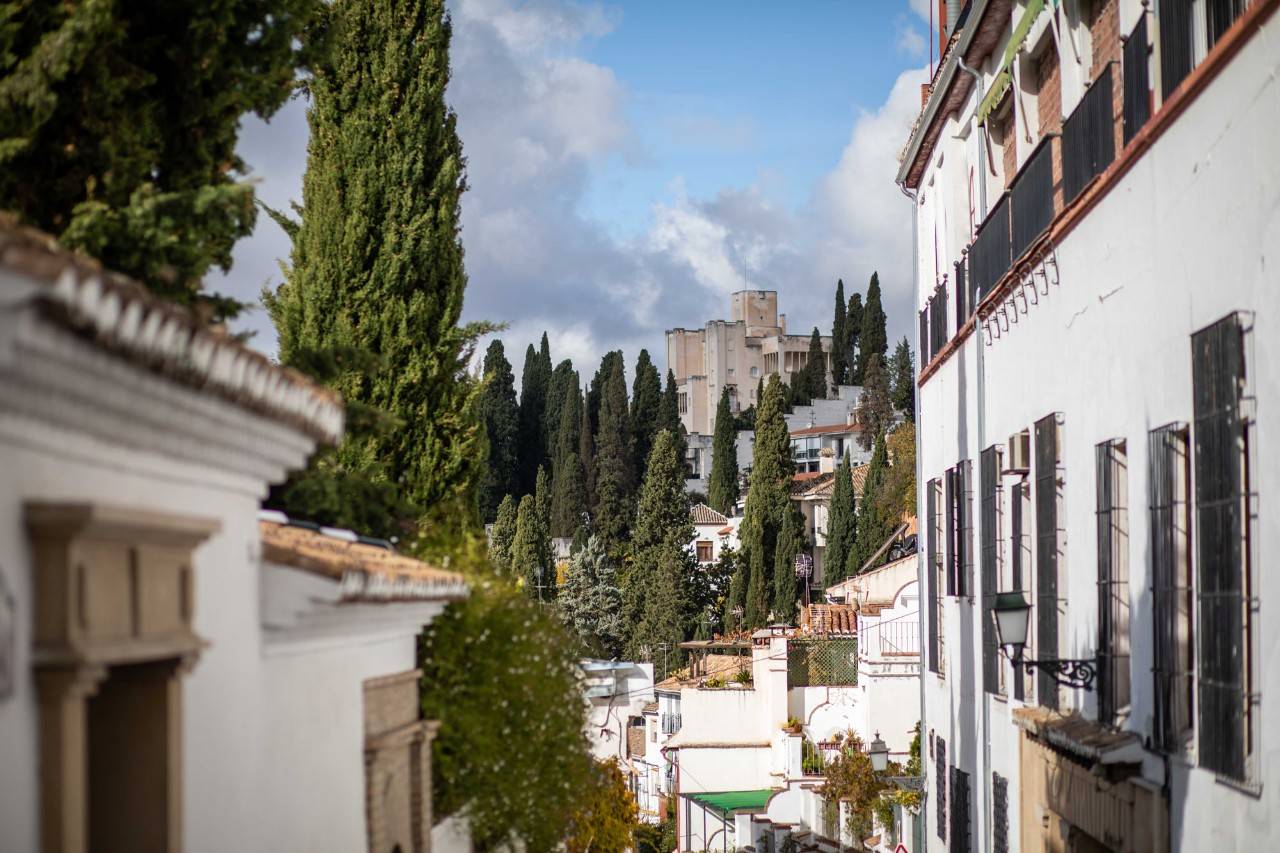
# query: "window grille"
[[1019, 578], [1031, 197], [959, 811], [959, 531], [1046, 474], [1177, 43], [999, 813], [926, 354], [1088, 137], [1137, 80], [1221, 14], [940, 785], [989, 256], [950, 512], [989, 473], [1168, 480], [1221, 517], [1112, 472], [964, 307], [938, 319], [933, 578]]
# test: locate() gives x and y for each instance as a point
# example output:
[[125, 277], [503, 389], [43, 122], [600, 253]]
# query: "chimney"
[[924, 95], [782, 323], [826, 461], [943, 7]]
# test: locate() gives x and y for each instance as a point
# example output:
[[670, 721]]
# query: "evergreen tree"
[[119, 123], [791, 542], [768, 496], [534, 384], [839, 365], [587, 455], [662, 526], [531, 551], [874, 524], [501, 417], [842, 526], [723, 488], [669, 419], [380, 272], [590, 602], [902, 380], [542, 498], [873, 338], [875, 407], [736, 600], [569, 492], [852, 336], [814, 374], [646, 403], [564, 381], [615, 474], [661, 628], [502, 535]]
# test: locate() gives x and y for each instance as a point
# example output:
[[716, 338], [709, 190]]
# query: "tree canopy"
[[839, 360], [500, 415], [768, 495], [722, 490]]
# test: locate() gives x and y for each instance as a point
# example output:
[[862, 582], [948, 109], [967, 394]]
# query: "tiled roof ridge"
[[122, 316], [700, 513]]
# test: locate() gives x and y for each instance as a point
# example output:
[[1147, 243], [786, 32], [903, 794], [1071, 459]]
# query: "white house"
[[1094, 190], [619, 696], [712, 533], [174, 672]]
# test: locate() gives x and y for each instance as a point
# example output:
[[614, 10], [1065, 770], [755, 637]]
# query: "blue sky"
[[631, 164]]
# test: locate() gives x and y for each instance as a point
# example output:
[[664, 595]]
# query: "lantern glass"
[[1011, 613], [879, 753]]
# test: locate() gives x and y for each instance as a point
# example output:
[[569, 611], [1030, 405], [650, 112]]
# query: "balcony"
[[1089, 137], [1031, 197], [990, 257], [938, 319]]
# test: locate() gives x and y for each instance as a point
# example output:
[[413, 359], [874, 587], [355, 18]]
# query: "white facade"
[[1094, 329]]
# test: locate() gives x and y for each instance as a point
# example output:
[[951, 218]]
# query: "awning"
[[1005, 75], [728, 802]]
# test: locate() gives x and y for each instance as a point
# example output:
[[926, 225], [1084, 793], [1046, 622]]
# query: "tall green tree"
[[563, 379], [614, 464], [542, 498], [811, 382], [722, 491], [902, 380], [119, 123], [768, 496], [873, 339], [661, 628], [839, 364], [502, 535], [500, 415], [669, 418], [791, 543], [569, 491], [377, 257], [875, 525], [662, 527], [842, 527], [646, 403], [852, 337], [587, 455], [534, 384], [590, 602], [875, 406], [531, 551]]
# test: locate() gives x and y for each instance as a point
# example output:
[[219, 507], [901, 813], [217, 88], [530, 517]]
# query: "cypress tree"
[[377, 260], [902, 389], [542, 498], [841, 526], [722, 491], [587, 455], [531, 551], [569, 493], [791, 542], [500, 415], [875, 407], [874, 524], [615, 474], [563, 378], [669, 419], [661, 630], [502, 535], [768, 495], [852, 336], [662, 524], [815, 369], [646, 404], [119, 123], [873, 338], [534, 384], [737, 597], [839, 366]]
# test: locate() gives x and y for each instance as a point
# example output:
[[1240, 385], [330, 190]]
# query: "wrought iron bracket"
[[906, 783], [1069, 672]]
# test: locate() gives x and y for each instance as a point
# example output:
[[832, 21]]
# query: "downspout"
[[982, 441]]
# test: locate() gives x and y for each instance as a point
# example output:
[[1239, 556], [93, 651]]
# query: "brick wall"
[[1104, 32], [1049, 104]]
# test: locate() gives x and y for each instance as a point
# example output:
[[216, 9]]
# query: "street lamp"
[[878, 752], [1011, 613]]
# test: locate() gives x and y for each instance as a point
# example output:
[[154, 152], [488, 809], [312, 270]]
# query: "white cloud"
[[925, 9], [910, 41]]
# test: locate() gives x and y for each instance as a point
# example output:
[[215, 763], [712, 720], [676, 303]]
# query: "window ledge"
[[1248, 788]]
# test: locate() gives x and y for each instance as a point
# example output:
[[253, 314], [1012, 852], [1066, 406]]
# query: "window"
[[1048, 498], [1020, 575], [704, 551], [999, 813], [959, 811], [933, 533], [940, 785], [1169, 479], [729, 370], [1113, 582], [755, 371], [959, 531], [989, 473], [1222, 516]]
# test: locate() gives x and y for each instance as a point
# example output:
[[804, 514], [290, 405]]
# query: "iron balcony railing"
[[1031, 197], [1137, 80], [1177, 43], [925, 353], [964, 304], [1089, 137], [990, 258], [938, 319]]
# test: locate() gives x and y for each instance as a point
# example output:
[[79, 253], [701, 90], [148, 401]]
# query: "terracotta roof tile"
[[703, 514], [829, 619], [831, 429]]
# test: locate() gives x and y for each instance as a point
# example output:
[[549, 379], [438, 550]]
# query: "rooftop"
[[703, 514]]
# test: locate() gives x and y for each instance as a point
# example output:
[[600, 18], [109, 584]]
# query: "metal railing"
[[938, 319], [1031, 197], [925, 352], [990, 258], [964, 304], [1089, 137], [1137, 80]]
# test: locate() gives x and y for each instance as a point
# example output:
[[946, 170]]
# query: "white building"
[[1095, 192], [619, 696], [174, 673]]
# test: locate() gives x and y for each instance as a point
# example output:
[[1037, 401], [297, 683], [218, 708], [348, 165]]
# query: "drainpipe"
[[982, 441]]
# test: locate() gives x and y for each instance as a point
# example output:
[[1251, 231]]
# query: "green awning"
[[1005, 75], [734, 801]]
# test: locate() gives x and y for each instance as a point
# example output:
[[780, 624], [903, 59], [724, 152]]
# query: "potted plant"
[[793, 725]]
